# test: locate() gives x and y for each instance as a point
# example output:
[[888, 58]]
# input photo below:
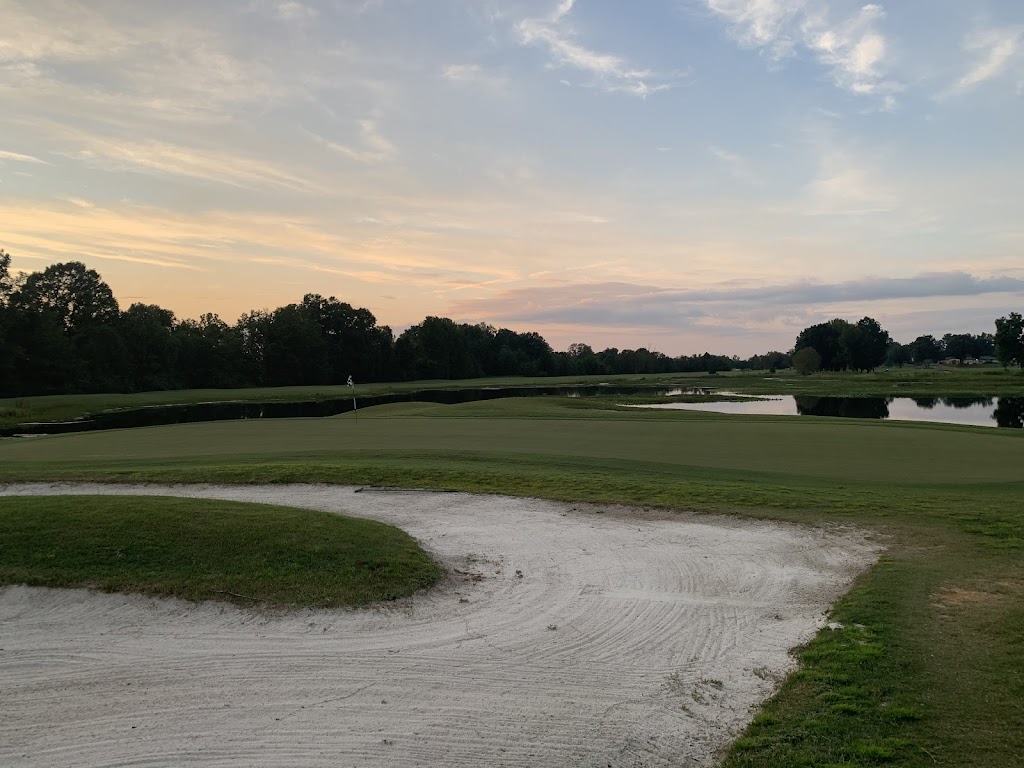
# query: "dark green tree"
[[435, 349], [148, 332], [75, 294], [102, 360], [926, 349], [807, 361], [897, 355], [1009, 340], [41, 358], [356, 345], [865, 344], [826, 340], [294, 349], [581, 361], [210, 354], [6, 283]]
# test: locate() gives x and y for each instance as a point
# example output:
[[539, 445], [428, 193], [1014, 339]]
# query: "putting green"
[[844, 450]]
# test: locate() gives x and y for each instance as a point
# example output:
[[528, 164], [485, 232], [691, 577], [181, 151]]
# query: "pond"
[[225, 410], [1003, 412], [975, 411]]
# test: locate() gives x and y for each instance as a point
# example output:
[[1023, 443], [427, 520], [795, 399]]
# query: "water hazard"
[[185, 413], [974, 411], [988, 412]]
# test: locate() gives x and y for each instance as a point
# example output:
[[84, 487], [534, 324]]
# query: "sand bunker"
[[567, 635]]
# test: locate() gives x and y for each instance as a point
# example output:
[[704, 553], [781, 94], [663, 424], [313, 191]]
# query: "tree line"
[[839, 345], [62, 331]]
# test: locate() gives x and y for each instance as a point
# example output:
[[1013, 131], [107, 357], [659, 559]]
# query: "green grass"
[[929, 666], [201, 550], [989, 381], [66, 407]]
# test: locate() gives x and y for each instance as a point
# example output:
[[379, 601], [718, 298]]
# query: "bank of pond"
[[1004, 412]]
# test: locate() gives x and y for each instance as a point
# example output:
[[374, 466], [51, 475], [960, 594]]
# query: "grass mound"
[[200, 549]]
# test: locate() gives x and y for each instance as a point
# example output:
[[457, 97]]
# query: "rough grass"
[[201, 550], [928, 668]]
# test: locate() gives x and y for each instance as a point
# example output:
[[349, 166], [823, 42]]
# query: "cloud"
[[624, 304], [995, 50], [133, 63], [611, 72], [474, 74], [19, 158], [296, 12], [463, 72], [375, 147], [737, 165], [227, 241], [852, 48], [846, 187], [213, 166]]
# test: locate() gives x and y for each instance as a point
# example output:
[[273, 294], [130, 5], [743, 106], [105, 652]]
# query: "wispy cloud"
[[20, 158], [611, 72], [852, 48], [147, 235], [993, 51], [375, 148], [295, 11], [474, 74], [738, 166], [846, 186], [212, 165]]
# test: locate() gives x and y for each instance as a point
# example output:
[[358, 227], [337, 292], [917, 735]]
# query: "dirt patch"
[[561, 638], [988, 594], [954, 596]]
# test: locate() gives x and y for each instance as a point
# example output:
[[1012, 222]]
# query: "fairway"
[[810, 448]]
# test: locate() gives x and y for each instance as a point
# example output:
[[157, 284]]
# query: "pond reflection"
[[974, 411]]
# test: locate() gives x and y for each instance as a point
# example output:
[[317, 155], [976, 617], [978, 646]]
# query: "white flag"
[[350, 382]]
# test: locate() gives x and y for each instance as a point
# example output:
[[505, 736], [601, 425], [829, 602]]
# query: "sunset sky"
[[685, 175]]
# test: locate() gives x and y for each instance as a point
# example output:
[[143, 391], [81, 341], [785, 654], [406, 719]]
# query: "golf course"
[[921, 663]]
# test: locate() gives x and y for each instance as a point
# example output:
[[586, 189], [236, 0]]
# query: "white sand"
[[632, 638]]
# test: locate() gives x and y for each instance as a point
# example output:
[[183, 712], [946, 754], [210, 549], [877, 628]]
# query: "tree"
[[294, 350], [1010, 340], [965, 345], [866, 344], [843, 345], [77, 295], [581, 361], [770, 361], [103, 363], [40, 359], [147, 330], [926, 349], [210, 354], [435, 349], [6, 284], [807, 361], [897, 355], [356, 345], [825, 339]]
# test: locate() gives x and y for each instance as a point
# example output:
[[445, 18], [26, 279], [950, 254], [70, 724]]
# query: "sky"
[[682, 175]]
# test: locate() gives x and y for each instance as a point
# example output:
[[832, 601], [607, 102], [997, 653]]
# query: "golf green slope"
[[200, 550]]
